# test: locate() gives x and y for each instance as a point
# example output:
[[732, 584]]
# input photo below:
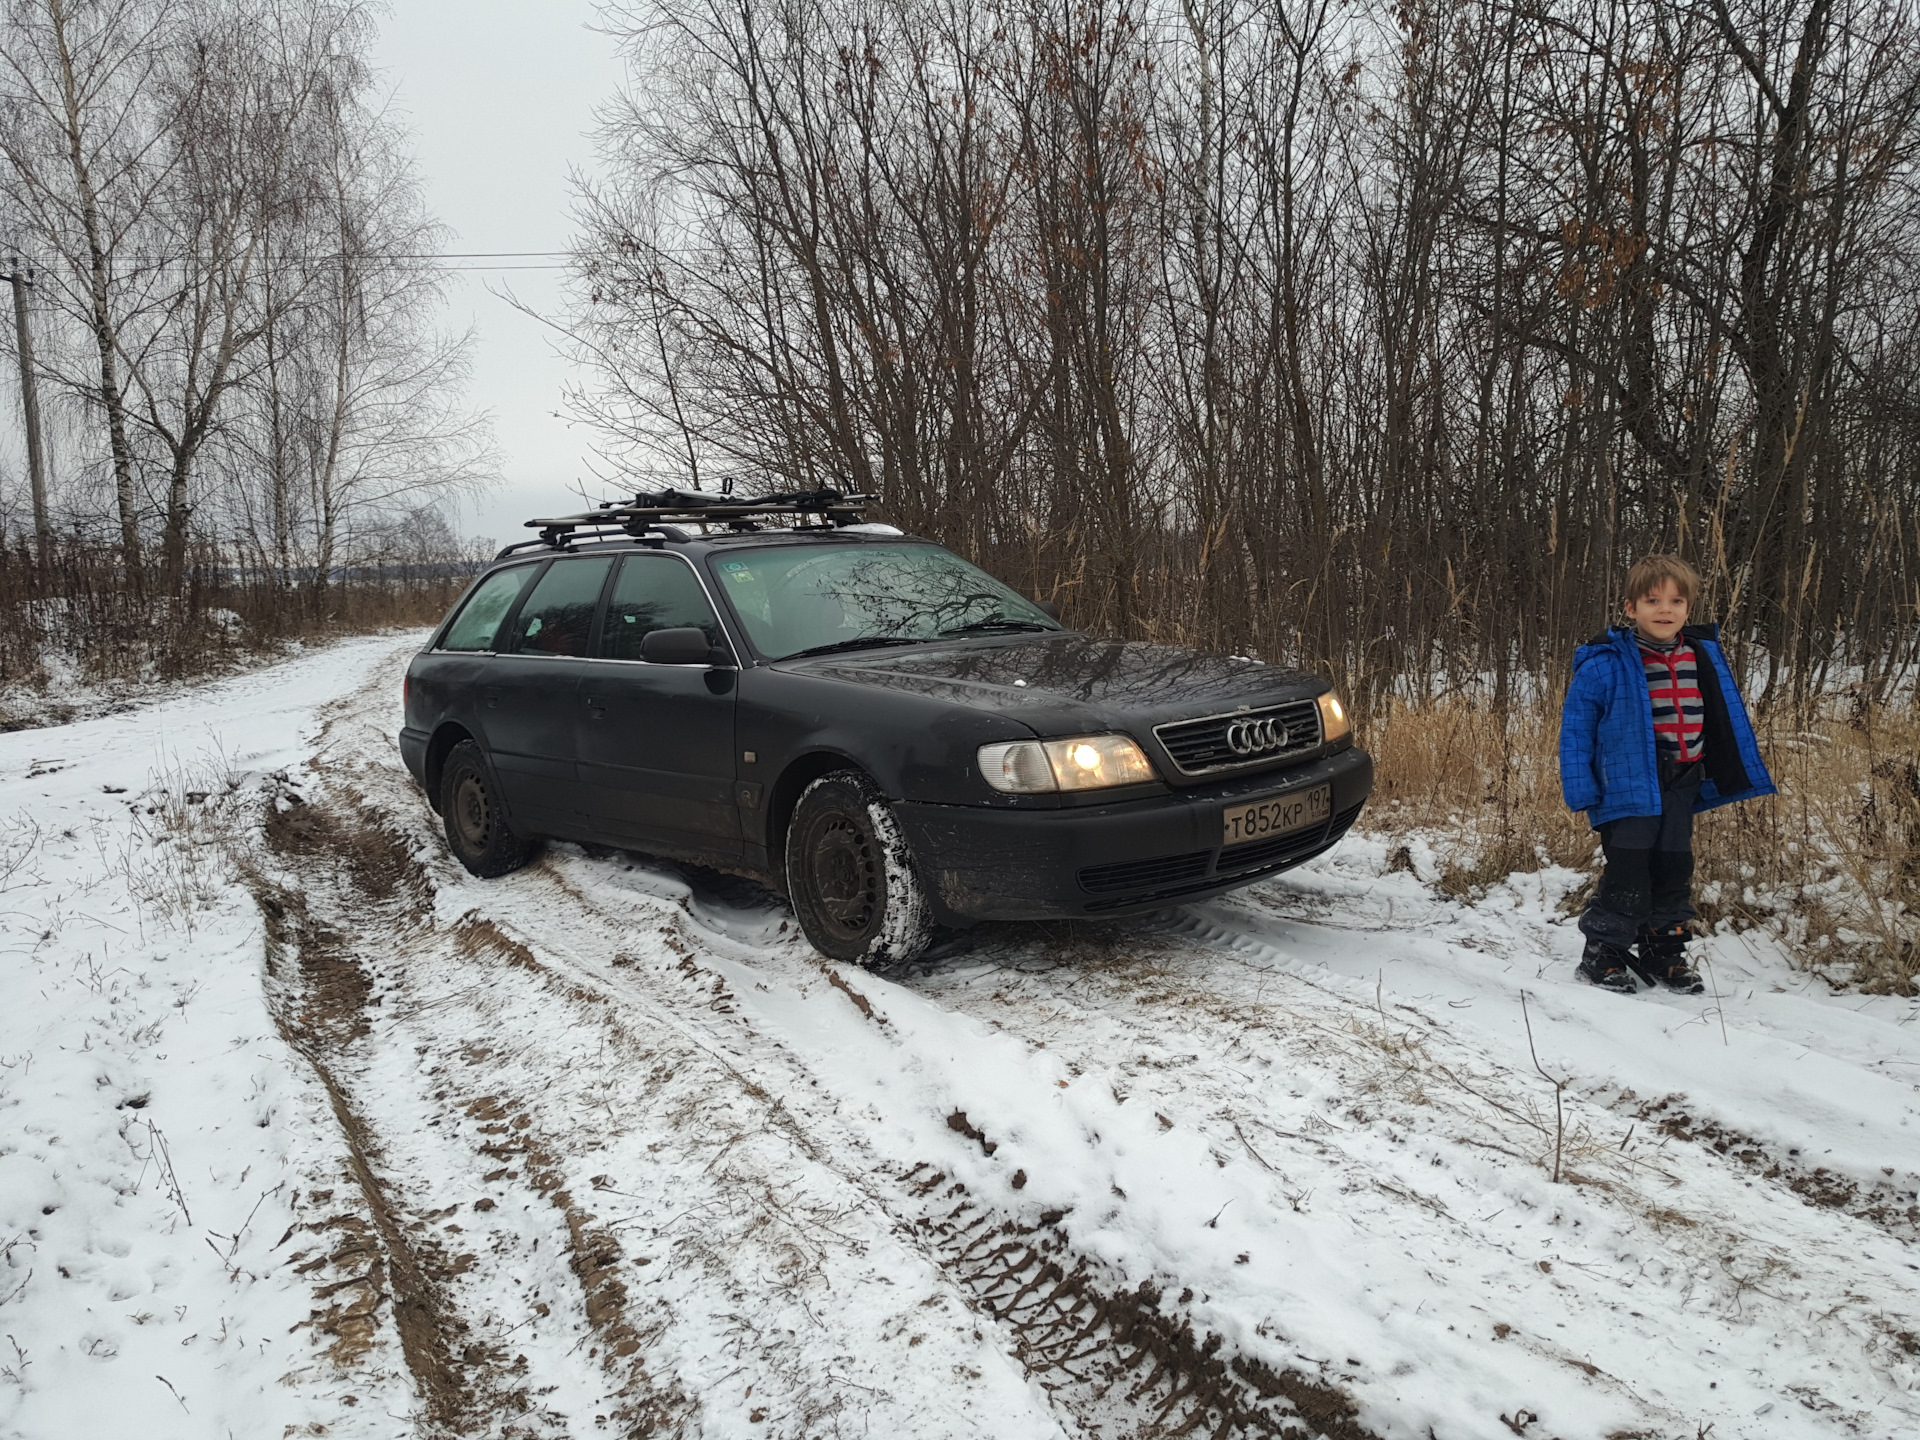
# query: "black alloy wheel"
[[477, 830], [851, 876]]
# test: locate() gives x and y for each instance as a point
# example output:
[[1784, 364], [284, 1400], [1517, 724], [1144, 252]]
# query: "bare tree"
[[234, 226], [80, 132], [1380, 340]]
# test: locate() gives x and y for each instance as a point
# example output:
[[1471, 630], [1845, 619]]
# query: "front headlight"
[[1085, 762], [1334, 724]]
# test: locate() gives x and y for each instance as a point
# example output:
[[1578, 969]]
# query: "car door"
[[529, 710], [450, 682], [656, 741]]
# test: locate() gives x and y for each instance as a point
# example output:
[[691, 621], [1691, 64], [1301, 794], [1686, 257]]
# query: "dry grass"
[[1489, 778], [80, 618], [1830, 866], [182, 854]]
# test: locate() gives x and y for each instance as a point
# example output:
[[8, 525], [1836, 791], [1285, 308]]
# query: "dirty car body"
[[1235, 770]]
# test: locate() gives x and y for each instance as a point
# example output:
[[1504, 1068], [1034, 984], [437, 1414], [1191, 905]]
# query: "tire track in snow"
[[1114, 1361], [1889, 1201], [346, 886], [318, 1006], [692, 1071], [1085, 1342], [1759, 1262]]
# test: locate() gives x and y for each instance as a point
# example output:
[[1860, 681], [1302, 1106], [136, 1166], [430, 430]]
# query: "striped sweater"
[[1673, 684]]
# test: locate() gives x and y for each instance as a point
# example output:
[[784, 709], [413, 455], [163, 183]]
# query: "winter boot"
[[1662, 960], [1606, 966]]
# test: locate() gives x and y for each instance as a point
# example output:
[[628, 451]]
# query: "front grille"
[[1144, 874], [1205, 746]]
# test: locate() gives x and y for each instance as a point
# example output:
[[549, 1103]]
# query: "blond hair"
[[1650, 572]]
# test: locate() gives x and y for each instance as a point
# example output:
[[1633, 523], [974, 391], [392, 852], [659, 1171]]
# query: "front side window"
[[654, 592], [794, 599], [480, 617], [558, 615]]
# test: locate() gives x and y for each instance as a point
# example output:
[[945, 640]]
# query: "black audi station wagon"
[[884, 732]]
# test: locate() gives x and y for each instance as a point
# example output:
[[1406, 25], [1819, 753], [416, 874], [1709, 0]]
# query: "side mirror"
[[1048, 609], [684, 645]]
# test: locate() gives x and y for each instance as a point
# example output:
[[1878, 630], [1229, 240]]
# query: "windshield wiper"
[[989, 627], [859, 642]]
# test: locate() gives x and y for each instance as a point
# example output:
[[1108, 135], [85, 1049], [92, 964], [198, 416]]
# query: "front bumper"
[[1119, 859]]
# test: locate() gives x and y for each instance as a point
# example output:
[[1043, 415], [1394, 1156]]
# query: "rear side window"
[[480, 617], [654, 592], [558, 614]]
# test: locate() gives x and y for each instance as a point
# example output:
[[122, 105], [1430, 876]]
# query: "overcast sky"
[[499, 95]]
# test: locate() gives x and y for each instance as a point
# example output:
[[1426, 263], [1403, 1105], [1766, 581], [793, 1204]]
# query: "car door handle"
[[597, 707]]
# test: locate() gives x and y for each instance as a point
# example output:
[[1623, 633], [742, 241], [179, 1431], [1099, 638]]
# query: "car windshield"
[[796, 599]]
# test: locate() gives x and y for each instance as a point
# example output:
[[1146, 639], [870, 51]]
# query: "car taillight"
[[406, 690]]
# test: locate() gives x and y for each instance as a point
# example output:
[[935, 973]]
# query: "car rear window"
[[479, 619], [792, 598]]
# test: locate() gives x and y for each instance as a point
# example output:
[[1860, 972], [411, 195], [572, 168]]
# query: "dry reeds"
[[1830, 867], [1487, 777]]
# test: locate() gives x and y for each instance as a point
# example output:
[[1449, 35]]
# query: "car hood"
[[1063, 681]]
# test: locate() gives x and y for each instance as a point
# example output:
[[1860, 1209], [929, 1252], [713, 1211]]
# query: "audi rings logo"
[[1253, 737]]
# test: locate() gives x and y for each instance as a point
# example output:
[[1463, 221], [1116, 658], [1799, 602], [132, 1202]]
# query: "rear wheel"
[[851, 876], [477, 830]]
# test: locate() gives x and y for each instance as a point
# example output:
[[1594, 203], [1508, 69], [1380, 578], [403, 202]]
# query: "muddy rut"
[[335, 882]]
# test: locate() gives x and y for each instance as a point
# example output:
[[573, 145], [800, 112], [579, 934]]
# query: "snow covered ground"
[[304, 1131], [66, 694]]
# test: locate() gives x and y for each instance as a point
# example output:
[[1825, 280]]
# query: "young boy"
[[1654, 731]]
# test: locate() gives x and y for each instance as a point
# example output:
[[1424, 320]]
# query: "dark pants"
[[1648, 880]]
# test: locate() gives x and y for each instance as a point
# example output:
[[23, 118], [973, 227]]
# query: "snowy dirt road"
[[604, 1148]]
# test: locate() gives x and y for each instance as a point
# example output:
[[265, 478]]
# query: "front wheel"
[[851, 877], [477, 830]]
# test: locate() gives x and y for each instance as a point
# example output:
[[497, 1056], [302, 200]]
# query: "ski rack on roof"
[[654, 511]]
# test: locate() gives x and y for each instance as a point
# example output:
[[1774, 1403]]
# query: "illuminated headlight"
[[1086, 762], [1334, 724]]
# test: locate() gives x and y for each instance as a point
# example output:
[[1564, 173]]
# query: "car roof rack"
[[652, 512]]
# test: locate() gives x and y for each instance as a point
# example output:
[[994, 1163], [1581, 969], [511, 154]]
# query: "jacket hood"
[[1611, 637], [1062, 680]]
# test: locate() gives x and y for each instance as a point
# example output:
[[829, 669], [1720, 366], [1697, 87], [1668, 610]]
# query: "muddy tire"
[[851, 876], [477, 831]]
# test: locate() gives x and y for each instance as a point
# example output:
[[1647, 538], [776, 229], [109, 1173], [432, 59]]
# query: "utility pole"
[[30, 402]]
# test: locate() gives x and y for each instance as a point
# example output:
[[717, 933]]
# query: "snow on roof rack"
[[651, 511]]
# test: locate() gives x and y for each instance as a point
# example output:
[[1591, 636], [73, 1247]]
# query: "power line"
[[481, 255]]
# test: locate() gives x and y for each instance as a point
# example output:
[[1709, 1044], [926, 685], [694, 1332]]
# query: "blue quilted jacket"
[[1607, 753]]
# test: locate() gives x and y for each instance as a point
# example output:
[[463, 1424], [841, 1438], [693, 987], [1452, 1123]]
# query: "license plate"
[[1265, 818]]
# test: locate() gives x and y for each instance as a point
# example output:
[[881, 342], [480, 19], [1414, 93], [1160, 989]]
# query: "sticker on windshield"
[[737, 570]]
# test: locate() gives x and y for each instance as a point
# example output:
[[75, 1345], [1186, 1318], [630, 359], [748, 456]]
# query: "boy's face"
[[1660, 612]]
